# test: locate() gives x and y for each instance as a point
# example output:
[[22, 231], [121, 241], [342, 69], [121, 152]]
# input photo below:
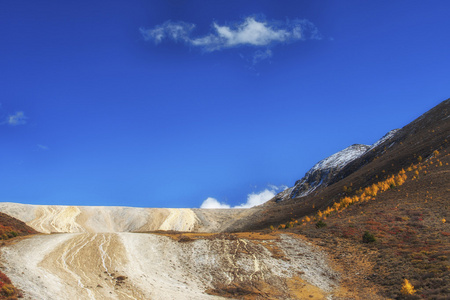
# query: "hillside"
[[412, 232]]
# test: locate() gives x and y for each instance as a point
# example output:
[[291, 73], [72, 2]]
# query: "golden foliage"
[[366, 194], [407, 288]]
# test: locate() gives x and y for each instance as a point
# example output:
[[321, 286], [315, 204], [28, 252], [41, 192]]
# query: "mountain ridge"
[[324, 171]]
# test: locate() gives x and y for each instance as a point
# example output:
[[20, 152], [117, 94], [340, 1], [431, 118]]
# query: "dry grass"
[[192, 236]]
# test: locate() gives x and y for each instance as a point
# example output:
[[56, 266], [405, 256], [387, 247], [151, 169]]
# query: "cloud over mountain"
[[213, 203], [253, 199]]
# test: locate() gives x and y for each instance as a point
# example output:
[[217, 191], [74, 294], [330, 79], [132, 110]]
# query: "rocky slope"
[[321, 174]]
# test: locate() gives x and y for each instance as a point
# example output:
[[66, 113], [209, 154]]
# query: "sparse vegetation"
[[406, 213], [412, 239]]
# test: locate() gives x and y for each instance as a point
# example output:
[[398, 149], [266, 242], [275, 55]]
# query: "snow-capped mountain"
[[322, 173]]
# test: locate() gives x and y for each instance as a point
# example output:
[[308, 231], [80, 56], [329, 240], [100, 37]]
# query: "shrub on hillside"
[[321, 224], [368, 237]]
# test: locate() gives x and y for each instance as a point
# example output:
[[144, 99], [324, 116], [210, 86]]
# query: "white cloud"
[[17, 119], [253, 199], [213, 203], [249, 32]]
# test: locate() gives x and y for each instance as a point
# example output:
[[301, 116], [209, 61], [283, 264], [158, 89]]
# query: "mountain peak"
[[322, 173]]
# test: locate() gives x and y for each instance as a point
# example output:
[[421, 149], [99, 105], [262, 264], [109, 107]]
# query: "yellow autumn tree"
[[407, 288]]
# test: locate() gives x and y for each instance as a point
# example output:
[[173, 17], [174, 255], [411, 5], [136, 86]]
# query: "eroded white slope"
[[77, 219], [149, 266]]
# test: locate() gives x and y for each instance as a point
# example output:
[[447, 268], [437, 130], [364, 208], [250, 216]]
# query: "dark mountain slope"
[[416, 141]]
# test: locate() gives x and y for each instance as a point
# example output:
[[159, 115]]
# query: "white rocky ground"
[[150, 266], [92, 254]]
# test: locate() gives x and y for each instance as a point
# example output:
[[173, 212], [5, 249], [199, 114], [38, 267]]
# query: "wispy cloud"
[[261, 55], [175, 31], [253, 199], [17, 119], [42, 147], [251, 31]]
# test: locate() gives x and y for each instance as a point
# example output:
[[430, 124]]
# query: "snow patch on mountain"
[[386, 137], [340, 159]]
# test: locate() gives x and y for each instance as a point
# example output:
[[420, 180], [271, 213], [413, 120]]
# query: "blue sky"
[[169, 103]]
